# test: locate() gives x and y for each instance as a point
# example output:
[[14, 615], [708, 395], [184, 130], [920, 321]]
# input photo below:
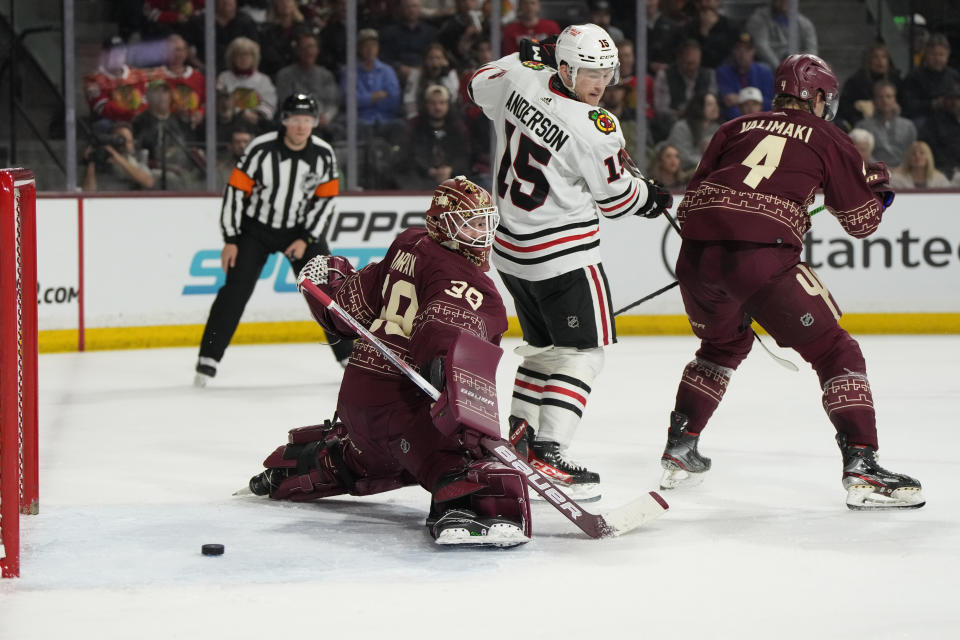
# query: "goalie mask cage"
[[18, 360]]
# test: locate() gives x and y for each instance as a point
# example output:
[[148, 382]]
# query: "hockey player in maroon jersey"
[[428, 290], [743, 220]]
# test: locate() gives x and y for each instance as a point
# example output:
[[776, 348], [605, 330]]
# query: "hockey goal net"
[[18, 360]]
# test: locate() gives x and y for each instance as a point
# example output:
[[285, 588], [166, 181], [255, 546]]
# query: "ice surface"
[[137, 469]]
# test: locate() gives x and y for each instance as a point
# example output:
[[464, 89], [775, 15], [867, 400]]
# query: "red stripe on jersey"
[[572, 394], [527, 385], [546, 245], [602, 303], [628, 199]]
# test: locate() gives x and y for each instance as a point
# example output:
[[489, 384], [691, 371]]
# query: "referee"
[[278, 198]]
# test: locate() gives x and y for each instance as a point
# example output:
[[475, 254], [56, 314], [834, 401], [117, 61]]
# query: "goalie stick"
[[611, 523]]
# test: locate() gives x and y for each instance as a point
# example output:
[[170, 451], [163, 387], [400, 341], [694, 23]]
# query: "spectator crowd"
[[416, 124]]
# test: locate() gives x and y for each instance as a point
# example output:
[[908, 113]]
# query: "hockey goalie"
[[430, 301]]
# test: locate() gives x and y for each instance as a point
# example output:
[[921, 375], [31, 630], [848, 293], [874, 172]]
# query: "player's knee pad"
[[584, 364], [727, 354], [490, 489], [833, 354]]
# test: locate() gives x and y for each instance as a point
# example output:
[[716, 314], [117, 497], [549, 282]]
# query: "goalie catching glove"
[[325, 270], [878, 179], [544, 51], [328, 273]]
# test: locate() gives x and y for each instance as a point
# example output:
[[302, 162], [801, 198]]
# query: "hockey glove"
[[326, 272], [878, 179], [658, 199], [540, 51]]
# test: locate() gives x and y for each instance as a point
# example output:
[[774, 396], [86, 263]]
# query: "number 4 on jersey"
[[764, 159]]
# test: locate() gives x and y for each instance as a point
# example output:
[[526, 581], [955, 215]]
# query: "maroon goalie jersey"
[[416, 300], [759, 174]]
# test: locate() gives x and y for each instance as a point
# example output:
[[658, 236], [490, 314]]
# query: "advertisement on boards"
[[156, 261]]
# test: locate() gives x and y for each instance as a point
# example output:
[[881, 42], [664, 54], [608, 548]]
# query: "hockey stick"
[[647, 297], [783, 362], [613, 523]]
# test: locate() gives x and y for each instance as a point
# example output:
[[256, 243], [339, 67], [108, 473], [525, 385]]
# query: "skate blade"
[[579, 492], [500, 535], [676, 478], [863, 498]]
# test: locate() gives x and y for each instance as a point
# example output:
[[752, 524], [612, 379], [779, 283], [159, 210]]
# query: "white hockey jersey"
[[558, 167]]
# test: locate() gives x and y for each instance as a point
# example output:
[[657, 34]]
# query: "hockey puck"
[[212, 549]]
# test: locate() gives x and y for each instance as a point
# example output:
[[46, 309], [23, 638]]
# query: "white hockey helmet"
[[587, 46]]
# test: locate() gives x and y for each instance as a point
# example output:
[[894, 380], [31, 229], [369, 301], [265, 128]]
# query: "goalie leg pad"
[[493, 495], [320, 462]]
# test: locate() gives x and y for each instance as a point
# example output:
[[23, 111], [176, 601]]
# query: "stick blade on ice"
[[634, 514]]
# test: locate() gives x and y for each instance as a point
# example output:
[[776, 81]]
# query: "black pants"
[[255, 244]]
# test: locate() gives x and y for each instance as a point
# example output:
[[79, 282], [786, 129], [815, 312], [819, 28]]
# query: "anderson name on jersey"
[[559, 167]]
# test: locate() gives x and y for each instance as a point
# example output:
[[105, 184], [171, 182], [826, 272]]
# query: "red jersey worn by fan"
[[743, 220], [429, 289], [515, 32], [117, 96]]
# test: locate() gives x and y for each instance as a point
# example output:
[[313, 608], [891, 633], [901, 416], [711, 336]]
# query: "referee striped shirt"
[[281, 188]]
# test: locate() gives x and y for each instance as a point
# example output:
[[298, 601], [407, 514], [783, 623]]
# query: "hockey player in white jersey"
[[561, 164]]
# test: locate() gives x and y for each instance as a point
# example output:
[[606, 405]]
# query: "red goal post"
[[18, 360]]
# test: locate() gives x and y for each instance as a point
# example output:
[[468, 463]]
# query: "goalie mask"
[[587, 48], [463, 218], [802, 76]]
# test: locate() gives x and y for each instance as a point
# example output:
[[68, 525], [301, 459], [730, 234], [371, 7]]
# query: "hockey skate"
[[463, 527], [521, 435], [572, 478], [870, 486], [545, 456], [206, 370], [682, 463], [266, 481]]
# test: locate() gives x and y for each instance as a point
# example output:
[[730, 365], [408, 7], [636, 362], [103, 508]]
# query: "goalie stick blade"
[[634, 514], [614, 523]]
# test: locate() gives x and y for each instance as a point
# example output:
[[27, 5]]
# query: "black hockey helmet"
[[299, 104]]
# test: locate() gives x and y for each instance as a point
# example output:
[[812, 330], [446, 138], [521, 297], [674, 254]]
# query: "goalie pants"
[[724, 285], [389, 423], [387, 440], [255, 244]]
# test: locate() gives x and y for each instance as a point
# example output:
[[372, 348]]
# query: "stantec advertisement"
[[156, 261]]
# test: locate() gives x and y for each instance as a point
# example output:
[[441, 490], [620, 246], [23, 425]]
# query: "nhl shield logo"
[[806, 319], [573, 322], [311, 181], [404, 445], [603, 121]]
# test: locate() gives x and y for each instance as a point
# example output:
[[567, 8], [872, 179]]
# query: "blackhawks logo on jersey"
[[534, 65], [603, 121]]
